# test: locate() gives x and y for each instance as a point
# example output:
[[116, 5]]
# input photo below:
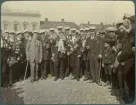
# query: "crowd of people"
[[106, 55]]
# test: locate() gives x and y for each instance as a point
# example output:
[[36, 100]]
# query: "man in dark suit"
[[4, 56], [54, 52], [85, 61], [46, 57], [61, 52], [126, 56], [93, 45], [11, 56], [34, 55], [26, 37], [20, 55]]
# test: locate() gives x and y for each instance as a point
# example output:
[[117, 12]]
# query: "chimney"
[[102, 26], [46, 19], [113, 24], [62, 20], [88, 22], [101, 23]]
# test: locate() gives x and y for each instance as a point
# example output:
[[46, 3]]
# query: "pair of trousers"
[[61, 68], [86, 69], [78, 68], [46, 68], [107, 69], [34, 70], [94, 68], [121, 77], [56, 68]]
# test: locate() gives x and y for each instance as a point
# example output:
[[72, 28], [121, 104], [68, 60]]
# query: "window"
[[34, 27], [15, 27], [25, 26], [5, 26]]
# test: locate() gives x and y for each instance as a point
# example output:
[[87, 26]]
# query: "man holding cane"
[[34, 55]]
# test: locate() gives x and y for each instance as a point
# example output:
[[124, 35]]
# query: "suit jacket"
[[54, 50], [34, 51], [127, 52], [107, 57], [46, 46], [46, 53], [95, 47]]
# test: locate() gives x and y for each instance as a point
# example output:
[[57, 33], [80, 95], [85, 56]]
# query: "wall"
[[11, 20]]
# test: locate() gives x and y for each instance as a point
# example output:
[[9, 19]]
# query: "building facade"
[[99, 27], [19, 21], [47, 24]]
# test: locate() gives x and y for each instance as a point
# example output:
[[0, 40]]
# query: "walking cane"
[[100, 70], [26, 70]]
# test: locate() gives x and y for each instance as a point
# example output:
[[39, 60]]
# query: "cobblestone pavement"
[[62, 92]]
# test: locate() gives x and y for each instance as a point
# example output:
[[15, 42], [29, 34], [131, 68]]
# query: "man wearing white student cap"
[[53, 34], [6, 35], [93, 46], [41, 34], [41, 31], [12, 36], [67, 31], [19, 35], [60, 29], [34, 55], [67, 28], [73, 31], [92, 29], [87, 32], [51, 30], [61, 51], [54, 52], [82, 30]]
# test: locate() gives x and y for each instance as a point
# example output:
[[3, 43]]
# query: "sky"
[[76, 11]]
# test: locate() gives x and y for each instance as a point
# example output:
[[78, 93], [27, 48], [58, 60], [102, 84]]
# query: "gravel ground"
[[58, 92]]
